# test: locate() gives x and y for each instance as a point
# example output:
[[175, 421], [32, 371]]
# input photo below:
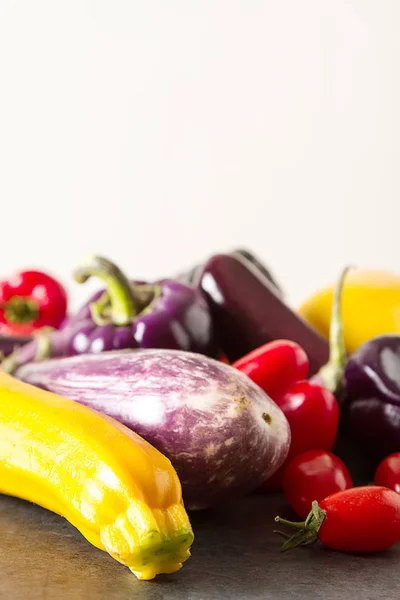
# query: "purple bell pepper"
[[371, 411], [167, 314]]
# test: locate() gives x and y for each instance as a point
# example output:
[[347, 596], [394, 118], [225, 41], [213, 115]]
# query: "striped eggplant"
[[222, 433]]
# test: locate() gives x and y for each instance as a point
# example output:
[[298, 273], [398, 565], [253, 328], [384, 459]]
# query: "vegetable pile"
[[159, 398]]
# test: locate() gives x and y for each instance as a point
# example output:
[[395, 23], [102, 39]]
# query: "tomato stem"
[[282, 534], [307, 531], [292, 524]]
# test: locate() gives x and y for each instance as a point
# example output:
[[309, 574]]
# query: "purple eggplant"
[[248, 311], [167, 314], [222, 433], [192, 275]]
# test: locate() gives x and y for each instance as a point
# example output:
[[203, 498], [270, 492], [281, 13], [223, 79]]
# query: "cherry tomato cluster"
[[316, 483], [319, 488], [280, 368]]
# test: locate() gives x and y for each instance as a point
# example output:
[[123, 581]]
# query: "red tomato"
[[361, 519], [313, 415], [388, 472], [314, 475]]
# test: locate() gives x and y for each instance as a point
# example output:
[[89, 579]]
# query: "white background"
[[157, 133]]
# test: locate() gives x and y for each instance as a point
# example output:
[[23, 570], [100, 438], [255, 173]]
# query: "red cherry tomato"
[[388, 472], [280, 369], [275, 366], [314, 475], [361, 519], [313, 415]]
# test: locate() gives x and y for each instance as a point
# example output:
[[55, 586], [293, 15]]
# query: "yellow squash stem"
[[121, 493]]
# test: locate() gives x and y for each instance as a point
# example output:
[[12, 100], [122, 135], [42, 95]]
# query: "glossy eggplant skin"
[[371, 411], [257, 264], [191, 277], [247, 312]]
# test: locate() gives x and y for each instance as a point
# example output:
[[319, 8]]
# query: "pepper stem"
[[307, 531], [20, 310], [332, 373], [124, 303]]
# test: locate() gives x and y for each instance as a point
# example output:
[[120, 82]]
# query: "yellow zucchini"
[[122, 494]]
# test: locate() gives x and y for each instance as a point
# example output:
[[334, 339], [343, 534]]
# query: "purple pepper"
[[167, 314], [371, 411]]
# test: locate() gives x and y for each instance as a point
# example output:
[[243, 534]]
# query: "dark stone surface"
[[235, 556]]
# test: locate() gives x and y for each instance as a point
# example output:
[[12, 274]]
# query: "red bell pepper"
[[275, 366], [280, 368], [31, 300]]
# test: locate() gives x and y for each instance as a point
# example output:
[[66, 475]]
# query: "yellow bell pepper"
[[122, 494], [370, 307]]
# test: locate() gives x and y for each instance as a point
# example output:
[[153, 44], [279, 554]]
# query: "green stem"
[[125, 303], [20, 310], [43, 344], [306, 531], [292, 524], [332, 373], [100, 310]]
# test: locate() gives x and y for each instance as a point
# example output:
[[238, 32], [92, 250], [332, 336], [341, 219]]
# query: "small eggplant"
[[248, 311], [167, 314], [191, 277]]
